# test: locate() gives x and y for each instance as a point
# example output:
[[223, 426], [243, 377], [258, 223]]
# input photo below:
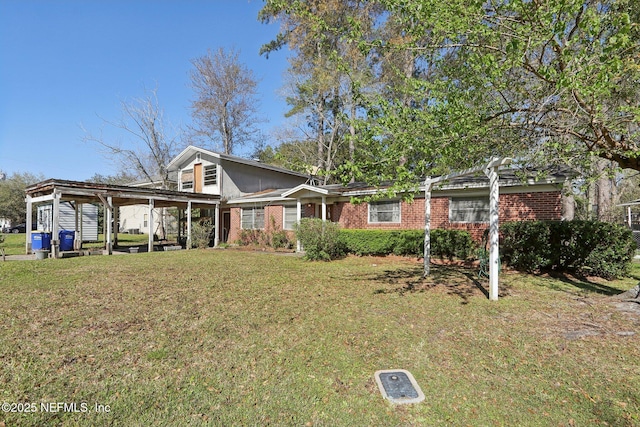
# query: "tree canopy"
[[544, 81]]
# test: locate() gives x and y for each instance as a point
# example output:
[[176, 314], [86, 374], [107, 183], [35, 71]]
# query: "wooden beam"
[[189, 224], [55, 226], [151, 225], [107, 225], [28, 225]]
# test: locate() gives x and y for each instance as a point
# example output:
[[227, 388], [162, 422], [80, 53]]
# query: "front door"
[[226, 225], [197, 178]]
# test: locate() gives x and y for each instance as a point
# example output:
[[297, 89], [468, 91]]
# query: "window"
[[252, 218], [186, 179], [146, 221], [384, 212], [211, 175], [290, 217], [469, 209]]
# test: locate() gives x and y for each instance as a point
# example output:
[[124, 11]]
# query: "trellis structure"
[[491, 171]]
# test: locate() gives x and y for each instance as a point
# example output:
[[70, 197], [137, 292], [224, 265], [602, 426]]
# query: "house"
[[199, 170], [134, 219], [460, 203], [67, 219]]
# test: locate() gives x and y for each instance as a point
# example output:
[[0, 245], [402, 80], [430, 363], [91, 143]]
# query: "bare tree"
[[146, 149], [225, 106]]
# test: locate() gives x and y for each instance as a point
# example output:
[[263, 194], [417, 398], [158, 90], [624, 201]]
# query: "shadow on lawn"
[[582, 282], [458, 281]]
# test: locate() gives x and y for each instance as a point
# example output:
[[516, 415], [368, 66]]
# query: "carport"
[[55, 191]]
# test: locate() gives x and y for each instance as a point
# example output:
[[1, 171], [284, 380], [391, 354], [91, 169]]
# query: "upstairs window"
[[186, 179], [384, 212], [211, 175], [469, 209], [252, 218]]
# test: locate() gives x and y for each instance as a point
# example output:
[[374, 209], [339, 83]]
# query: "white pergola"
[[491, 171], [111, 196], [629, 205]]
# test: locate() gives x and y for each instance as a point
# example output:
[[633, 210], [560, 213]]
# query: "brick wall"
[[520, 206], [513, 207]]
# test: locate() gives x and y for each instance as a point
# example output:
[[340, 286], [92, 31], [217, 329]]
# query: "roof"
[[122, 195], [191, 150], [508, 178]]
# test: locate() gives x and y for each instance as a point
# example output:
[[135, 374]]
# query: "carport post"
[[107, 226], [28, 224], [55, 227], [189, 224], [151, 225], [116, 228]]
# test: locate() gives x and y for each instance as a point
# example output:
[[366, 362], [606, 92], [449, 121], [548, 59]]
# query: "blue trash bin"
[[40, 240], [66, 239]]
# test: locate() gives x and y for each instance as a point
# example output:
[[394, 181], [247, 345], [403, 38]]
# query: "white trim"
[[187, 152], [305, 187], [399, 202], [253, 219], [483, 198], [284, 216]]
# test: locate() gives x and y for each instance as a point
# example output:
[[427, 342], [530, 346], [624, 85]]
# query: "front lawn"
[[221, 337]]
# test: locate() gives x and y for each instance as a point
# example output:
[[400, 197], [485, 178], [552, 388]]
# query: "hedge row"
[[589, 247], [444, 243]]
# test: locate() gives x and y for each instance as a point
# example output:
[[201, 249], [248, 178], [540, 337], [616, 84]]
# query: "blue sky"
[[66, 64]]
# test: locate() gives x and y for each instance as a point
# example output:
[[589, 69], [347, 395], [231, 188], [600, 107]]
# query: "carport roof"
[[122, 195]]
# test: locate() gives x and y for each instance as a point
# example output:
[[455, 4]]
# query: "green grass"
[[222, 337]]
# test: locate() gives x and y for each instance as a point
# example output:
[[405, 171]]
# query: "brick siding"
[[513, 207]]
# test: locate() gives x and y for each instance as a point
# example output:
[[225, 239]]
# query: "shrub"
[[368, 242], [451, 244], [280, 239], [409, 243], [251, 237], [201, 233], [589, 247], [444, 243], [320, 239]]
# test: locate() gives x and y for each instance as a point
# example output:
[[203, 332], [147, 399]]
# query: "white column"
[[494, 198], [28, 224], [324, 208], [151, 225], [629, 215], [107, 226], [298, 217], [189, 224], [427, 226], [216, 232]]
